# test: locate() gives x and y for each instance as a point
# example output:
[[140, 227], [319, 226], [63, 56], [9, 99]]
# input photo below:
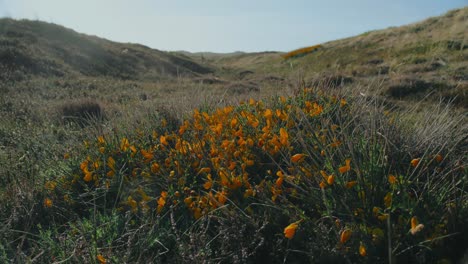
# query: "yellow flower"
[[382, 217], [343, 102], [101, 140], [388, 200], [48, 203], [415, 162], [132, 203], [111, 163], [345, 168], [101, 259], [345, 235], [362, 250], [290, 230], [124, 144], [50, 185]]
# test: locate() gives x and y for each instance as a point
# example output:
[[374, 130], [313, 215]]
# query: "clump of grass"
[[82, 112]]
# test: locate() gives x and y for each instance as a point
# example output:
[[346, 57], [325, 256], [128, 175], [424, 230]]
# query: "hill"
[[409, 61], [35, 48]]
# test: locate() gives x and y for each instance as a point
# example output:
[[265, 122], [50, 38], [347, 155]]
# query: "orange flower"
[[392, 179], [290, 230], [414, 222], [297, 157], [330, 179], [148, 155], [439, 158], [48, 203], [283, 136], [163, 140], [322, 185], [415, 226], [343, 102], [345, 168], [362, 250], [101, 259], [155, 167], [415, 162], [350, 184], [345, 235], [88, 176]]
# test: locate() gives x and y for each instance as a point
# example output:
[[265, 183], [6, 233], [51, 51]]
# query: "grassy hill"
[[409, 61], [43, 49]]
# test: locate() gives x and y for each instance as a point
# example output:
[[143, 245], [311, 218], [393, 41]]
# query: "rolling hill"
[[43, 49], [407, 63]]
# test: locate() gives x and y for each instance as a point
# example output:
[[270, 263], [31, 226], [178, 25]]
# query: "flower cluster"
[[301, 51], [291, 153]]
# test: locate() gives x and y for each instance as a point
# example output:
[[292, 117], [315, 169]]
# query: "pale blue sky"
[[227, 25]]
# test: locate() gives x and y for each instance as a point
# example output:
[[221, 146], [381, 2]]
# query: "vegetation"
[[301, 52], [235, 164]]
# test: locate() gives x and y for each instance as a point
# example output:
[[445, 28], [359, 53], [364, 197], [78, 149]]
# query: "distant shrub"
[[408, 87], [301, 51], [81, 112]]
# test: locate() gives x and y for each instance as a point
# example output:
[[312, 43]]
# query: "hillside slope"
[[409, 61], [39, 48]]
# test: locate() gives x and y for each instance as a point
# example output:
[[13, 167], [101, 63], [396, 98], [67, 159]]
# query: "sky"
[[226, 25]]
